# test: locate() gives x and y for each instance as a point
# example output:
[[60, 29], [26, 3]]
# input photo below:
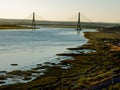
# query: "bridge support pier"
[[79, 23], [33, 22]]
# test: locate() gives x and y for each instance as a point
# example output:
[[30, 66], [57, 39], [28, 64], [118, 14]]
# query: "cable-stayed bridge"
[[76, 21]]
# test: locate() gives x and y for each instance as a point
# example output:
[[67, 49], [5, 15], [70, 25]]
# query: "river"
[[30, 47]]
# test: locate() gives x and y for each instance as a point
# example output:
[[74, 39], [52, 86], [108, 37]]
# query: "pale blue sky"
[[96, 10]]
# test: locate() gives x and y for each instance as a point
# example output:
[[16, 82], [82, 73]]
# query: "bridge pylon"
[[79, 22], [33, 21]]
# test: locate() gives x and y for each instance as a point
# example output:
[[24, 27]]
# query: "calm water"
[[28, 48]]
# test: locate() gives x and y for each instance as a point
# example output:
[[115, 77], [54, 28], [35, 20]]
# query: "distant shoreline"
[[7, 27]]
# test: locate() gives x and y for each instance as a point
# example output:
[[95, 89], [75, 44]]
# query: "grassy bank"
[[85, 71], [6, 27]]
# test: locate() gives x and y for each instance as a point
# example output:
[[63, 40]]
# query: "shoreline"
[[20, 72], [32, 70], [82, 69], [14, 26], [7, 27]]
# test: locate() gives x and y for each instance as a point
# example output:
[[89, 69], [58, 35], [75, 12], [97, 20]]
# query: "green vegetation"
[[102, 35], [19, 72], [2, 77]]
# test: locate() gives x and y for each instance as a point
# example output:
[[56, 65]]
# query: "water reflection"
[[78, 32]]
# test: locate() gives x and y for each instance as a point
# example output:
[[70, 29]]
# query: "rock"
[[14, 64]]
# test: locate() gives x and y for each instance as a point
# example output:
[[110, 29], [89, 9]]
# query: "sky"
[[62, 10]]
